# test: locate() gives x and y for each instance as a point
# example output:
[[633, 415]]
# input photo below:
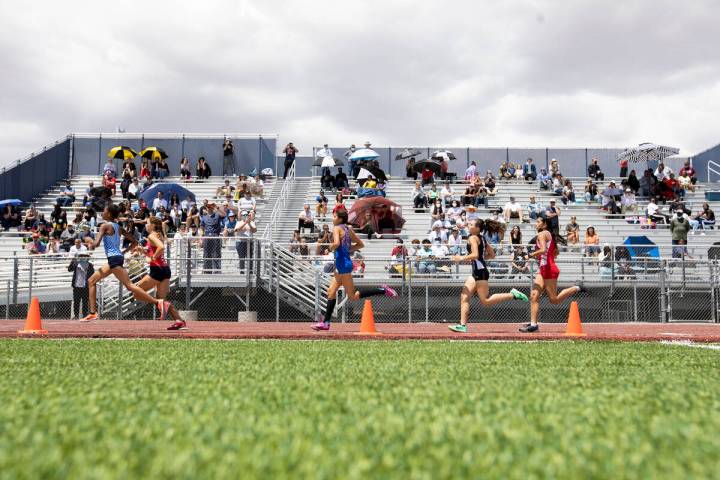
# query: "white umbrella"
[[363, 173], [364, 154], [446, 155], [324, 152], [646, 152]]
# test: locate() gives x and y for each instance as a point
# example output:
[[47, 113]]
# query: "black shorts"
[[483, 274], [116, 261], [160, 273]]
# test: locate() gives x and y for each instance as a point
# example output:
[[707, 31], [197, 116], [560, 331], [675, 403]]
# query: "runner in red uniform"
[[546, 279]]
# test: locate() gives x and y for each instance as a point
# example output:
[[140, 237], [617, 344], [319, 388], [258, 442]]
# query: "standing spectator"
[[623, 167], [228, 157], [211, 224], [554, 167], [594, 171], [305, 219], [202, 170], [534, 208], [185, 168], [341, 180], [471, 171], [544, 180], [706, 218], [572, 230], [679, 228], [244, 230], [529, 171], [552, 214], [688, 170], [127, 176], [352, 163], [290, 151], [592, 242], [82, 270]]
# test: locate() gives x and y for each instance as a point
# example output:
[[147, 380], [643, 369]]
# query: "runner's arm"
[[130, 238], [542, 246], [472, 254], [159, 246], [356, 243], [100, 235]]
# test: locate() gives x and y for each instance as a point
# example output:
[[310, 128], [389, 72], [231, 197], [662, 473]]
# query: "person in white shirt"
[[662, 171], [439, 249], [513, 209], [159, 202], [134, 189], [306, 219], [653, 212], [628, 202], [244, 230], [186, 204], [534, 208], [77, 248], [455, 242], [257, 187], [447, 194], [247, 202], [453, 213], [438, 232], [471, 171]]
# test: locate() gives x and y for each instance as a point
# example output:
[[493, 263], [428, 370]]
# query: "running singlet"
[[112, 243], [343, 263], [548, 268], [155, 262], [479, 268]]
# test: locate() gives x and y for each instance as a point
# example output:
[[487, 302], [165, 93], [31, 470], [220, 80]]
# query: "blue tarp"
[[640, 246]]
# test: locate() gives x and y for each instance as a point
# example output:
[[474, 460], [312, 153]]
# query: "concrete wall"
[[36, 174]]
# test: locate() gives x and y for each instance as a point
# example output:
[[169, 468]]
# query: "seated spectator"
[[513, 209], [228, 224], [36, 246], [594, 171], [568, 193], [257, 187], [358, 264], [339, 203], [134, 190], [572, 231], [306, 219], [428, 177], [516, 236], [453, 213], [557, 184], [67, 195], [455, 242], [672, 188], [471, 171], [109, 169], [437, 212], [447, 194], [529, 172], [185, 168], [648, 184], [662, 171], [628, 202], [425, 258], [163, 169], [327, 181], [10, 217], [158, 202], [624, 167], [366, 225], [30, 220], [370, 182], [324, 239], [321, 207], [438, 232], [202, 170], [534, 208], [433, 194], [653, 212], [144, 170], [410, 171], [544, 180], [490, 185], [68, 237], [686, 183], [520, 262], [341, 180], [295, 242], [470, 194], [504, 171], [633, 182], [247, 202], [554, 167], [591, 191], [462, 224], [109, 182], [77, 248], [611, 194], [688, 171], [607, 265], [443, 168], [385, 219], [592, 242], [399, 258], [440, 251], [419, 197], [704, 219], [225, 189]]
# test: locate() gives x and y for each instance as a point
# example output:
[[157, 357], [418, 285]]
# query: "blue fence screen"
[[33, 176]]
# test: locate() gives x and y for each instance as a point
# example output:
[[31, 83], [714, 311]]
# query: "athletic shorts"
[[481, 274], [343, 266], [160, 273], [549, 272], [116, 261]]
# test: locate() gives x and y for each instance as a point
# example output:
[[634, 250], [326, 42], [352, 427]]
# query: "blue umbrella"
[[640, 246], [11, 201], [364, 154], [150, 193]]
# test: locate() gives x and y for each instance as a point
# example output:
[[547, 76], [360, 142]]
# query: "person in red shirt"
[[427, 176], [672, 187], [109, 182]]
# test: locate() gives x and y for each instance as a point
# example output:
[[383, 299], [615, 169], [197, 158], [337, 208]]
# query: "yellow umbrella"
[[122, 152], [153, 153]]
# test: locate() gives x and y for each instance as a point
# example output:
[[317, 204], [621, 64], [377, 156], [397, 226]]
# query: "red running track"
[[390, 331]]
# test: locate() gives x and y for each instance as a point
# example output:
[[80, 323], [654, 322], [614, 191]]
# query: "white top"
[[440, 250], [244, 229], [513, 206], [74, 250], [246, 203], [447, 192], [307, 215], [442, 235], [159, 202], [652, 208]]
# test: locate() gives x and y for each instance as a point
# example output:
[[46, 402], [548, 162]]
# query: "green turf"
[[271, 409]]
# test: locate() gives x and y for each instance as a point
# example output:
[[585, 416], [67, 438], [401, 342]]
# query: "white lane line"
[[688, 343]]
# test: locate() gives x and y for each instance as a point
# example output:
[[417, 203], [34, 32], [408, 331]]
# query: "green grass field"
[[268, 409]]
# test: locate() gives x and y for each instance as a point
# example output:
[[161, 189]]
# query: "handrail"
[[710, 169], [280, 204]]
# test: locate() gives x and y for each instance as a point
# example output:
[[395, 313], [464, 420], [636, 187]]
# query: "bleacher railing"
[[280, 204]]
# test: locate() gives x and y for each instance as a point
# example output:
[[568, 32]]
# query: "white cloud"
[[530, 73]]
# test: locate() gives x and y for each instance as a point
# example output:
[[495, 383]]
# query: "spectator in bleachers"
[[679, 228], [306, 219], [77, 248], [36, 246], [648, 184], [672, 187], [568, 193], [534, 208], [245, 231], [228, 157], [513, 209], [109, 169], [186, 204], [557, 184], [185, 168], [324, 239], [224, 189], [516, 236], [594, 171], [633, 182], [352, 164], [68, 237], [294, 245], [662, 172], [554, 167], [163, 169], [552, 214], [610, 194], [689, 171], [443, 168], [290, 151], [470, 194], [504, 171], [433, 194], [358, 263], [685, 182], [341, 180], [453, 213], [572, 231], [31, 216], [426, 257], [628, 202], [203, 170], [134, 189], [455, 241], [177, 217], [410, 171], [592, 242], [158, 202], [339, 203], [471, 171], [624, 167], [591, 191], [529, 171], [490, 185], [544, 180], [447, 194], [127, 176], [704, 219], [10, 217], [109, 182], [419, 197], [438, 232], [229, 223], [520, 265], [428, 177], [67, 195], [327, 181], [174, 201], [321, 207], [437, 212], [58, 217], [653, 212], [247, 202], [605, 260], [145, 170], [211, 224]]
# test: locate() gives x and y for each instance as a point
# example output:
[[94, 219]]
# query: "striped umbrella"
[[646, 152], [122, 152], [153, 153], [446, 155], [407, 153]]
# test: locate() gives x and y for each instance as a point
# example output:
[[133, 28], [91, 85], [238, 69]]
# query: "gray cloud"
[[531, 73]]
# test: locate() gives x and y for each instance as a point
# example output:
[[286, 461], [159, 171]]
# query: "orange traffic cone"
[[367, 323], [574, 326], [33, 324]]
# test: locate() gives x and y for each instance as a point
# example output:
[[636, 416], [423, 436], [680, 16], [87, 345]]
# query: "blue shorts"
[[116, 261], [343, 266]]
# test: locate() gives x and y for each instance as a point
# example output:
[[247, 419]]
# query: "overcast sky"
[[523, 74]]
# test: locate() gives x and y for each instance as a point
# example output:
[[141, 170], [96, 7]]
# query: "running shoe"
[[164, 306], [389, 292], [178, 325], [458, 328], [518, 295], [90, 317], [529, 328], [320, 326]]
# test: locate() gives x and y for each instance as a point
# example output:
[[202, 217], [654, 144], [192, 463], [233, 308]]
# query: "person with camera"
[[244, 231], [228, 157], [290, 151], [82, 270]]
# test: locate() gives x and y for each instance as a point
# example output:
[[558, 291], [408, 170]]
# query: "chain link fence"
[[233, 279]]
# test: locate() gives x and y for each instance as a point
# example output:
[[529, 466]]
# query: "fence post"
[[16, 278], [118, 314], [30, 280], [663, 298], [410, 280], [188, 274], [713, 298], [532, 280], [427, 302], [635, 302], [248, 262], [317, 292], [7, 305]]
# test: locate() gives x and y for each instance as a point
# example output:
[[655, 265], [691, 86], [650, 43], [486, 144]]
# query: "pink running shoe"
[[389, 292], [320, 326], [179, 325]]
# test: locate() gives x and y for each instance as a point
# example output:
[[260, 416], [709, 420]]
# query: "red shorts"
[[549, 272]]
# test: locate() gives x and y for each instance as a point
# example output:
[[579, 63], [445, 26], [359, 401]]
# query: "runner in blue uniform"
[[345, 243], [109, 235], [478, 251]]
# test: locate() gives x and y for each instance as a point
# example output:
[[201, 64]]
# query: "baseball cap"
[[231, 214], [244, 213], [438, 223]]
